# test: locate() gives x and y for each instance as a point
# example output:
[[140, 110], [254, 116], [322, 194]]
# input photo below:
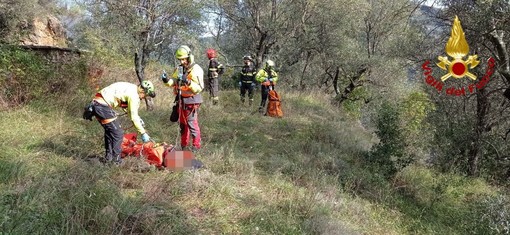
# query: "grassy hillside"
[[302, 174]]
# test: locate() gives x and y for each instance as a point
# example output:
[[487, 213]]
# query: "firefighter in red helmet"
[[213, 75]]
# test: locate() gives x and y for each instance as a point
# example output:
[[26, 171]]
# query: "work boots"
[[112, 161], [261, 110], [193, 149], [250, 101]]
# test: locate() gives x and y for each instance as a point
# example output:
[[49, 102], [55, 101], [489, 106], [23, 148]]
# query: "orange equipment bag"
[[154, 153], [274, 108]]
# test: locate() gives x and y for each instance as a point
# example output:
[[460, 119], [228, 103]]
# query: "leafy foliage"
[[388, 156], [291, 175], [26, 76]]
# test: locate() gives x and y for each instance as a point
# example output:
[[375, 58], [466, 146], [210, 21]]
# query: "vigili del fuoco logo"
[[457, 68]]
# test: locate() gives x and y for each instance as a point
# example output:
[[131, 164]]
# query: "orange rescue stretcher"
[[159, 155]]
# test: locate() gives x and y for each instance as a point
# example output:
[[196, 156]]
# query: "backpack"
[[274, 108], [88, 111], [174, 116]]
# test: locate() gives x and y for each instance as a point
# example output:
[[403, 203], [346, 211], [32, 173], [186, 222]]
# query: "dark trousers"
[[246, 87], [264, 92], [113, 132], [113, 135], [213, 86]]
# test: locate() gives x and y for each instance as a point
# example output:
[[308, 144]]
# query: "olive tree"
[[143, 28]]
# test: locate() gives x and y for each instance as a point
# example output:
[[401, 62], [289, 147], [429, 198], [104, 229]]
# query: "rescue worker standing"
[[247, 79], [188, 81], [213, 74], [126, 96], [267, 78]]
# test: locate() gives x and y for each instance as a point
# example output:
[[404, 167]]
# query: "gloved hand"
[[145, 137], [164, 77], [184, 80], [253, 84], [271, 80], [240, 84]]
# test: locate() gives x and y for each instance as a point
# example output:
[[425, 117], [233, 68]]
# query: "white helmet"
[[269, 64]]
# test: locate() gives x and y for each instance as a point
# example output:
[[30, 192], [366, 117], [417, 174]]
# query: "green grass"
[[301, 174]]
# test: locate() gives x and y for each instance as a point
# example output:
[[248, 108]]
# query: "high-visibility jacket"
[[124, 95], [263, 76], [195, 77]]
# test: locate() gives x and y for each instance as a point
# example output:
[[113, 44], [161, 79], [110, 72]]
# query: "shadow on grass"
[[11, 170], [71, 146], [85, 199], [426, 208], [288, 214]]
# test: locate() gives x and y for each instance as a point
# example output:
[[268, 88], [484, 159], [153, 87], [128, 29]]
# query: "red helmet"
[[211, 53]]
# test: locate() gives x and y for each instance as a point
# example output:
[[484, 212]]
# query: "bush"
[[388, 156], [496, 212], [25, 76], [22, 76], [452, 201]]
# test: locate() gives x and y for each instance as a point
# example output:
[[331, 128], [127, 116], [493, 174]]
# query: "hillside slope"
[[263, 175]]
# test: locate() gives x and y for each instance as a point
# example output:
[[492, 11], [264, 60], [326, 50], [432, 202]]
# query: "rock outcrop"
[[45, 31]]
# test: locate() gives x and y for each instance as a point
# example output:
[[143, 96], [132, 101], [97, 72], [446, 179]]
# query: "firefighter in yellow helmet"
[[123, 95], [187, 81], [267, 78]]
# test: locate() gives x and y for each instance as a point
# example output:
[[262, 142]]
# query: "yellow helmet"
[[184, 52]]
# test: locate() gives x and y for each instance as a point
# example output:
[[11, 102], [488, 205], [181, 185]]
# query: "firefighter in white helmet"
[[267, 77]]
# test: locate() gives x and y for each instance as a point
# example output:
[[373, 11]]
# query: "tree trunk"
[[352, 85], [301, 81], [335, 80], [140, 62], [503, 60], [497, 39], [482, 109]]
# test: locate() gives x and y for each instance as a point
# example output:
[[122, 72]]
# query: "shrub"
[[25, 76], [22, 76], [496, 212], [387, 157]]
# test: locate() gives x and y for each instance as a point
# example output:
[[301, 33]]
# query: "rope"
[[179, 110]]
